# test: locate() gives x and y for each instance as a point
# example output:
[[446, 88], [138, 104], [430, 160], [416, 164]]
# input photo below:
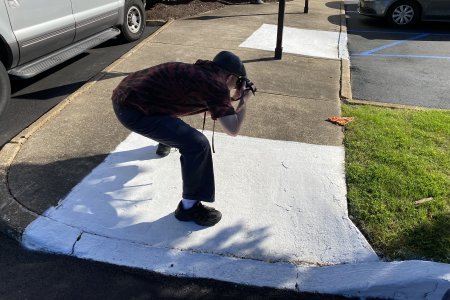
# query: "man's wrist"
[[241, 106]]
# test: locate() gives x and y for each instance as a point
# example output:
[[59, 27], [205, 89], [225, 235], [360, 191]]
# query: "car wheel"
[[404, 13], [5, 88], [134, 20]]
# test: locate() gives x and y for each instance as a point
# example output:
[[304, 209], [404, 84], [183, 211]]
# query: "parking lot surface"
[[401, 66]]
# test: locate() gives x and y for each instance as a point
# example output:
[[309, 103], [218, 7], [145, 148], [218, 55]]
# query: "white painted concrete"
[[283, 205], [396, 280], [316, 43], [48, 235], [281, 201]]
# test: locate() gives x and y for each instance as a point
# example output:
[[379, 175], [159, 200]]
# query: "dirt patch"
[[166, 10]]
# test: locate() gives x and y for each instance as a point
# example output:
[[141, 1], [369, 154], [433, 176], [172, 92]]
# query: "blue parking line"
[[401, 55], [392, 44]]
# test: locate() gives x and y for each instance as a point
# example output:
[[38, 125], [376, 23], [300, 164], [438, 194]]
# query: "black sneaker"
[[200, 214], [163, 150]]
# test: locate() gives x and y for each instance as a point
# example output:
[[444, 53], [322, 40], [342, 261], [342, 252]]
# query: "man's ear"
[[231, 81]]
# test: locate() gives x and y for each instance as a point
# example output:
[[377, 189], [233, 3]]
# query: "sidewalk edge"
[[346, 88], [14, 217], [381, 280]]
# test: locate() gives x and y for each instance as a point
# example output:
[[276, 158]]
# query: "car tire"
[[5, 88], [404, 13], [134, 20]]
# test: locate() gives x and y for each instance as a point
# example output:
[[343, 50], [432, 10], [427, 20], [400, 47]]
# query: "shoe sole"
[[210, 223]]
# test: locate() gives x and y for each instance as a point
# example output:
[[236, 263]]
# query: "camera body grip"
[[250, 86]]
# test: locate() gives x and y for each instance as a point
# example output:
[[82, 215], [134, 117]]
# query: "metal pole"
[[306, 6], [279, 48]]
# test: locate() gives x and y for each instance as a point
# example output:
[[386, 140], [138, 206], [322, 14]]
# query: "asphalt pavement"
[[404, 66], [33, 275], [33, 97], [77, 183]]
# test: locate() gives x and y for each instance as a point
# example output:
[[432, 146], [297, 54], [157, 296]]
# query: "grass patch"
[[395, 157]]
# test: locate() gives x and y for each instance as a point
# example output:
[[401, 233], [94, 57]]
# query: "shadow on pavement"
[[48, 183], [62, 90], [33, 275], [334, 4]]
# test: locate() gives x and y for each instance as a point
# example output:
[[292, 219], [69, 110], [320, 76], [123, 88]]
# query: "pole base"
[[278, 52]]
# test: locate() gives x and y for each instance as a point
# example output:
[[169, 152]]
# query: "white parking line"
[[372, 52]]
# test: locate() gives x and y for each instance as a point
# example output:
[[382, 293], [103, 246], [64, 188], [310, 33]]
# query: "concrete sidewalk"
[[76, 182]]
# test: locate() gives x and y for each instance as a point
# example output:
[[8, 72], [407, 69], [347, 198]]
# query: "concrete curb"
[[15, 217], [388, 105], [156, 22], [346, 88], [380, 280]]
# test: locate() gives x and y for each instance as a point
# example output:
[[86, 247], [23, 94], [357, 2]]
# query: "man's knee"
[[199, 144]]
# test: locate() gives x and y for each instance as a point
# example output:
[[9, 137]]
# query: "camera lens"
[[239, 83]]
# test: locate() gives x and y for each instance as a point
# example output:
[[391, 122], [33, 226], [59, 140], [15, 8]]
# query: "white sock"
[[188, 203]]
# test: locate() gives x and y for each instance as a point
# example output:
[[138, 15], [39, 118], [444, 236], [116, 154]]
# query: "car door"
[[92, 16], [40, 26], [437, 10]]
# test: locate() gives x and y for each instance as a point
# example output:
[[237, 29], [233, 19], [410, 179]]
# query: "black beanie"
[[230, 63]]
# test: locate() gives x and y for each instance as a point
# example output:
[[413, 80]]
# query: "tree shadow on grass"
[[429, 240]]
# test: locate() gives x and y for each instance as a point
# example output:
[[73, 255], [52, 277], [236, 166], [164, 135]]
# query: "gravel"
[[166, 10]]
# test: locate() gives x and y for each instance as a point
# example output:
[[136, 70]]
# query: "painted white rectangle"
[[316, 43], [281, 201]]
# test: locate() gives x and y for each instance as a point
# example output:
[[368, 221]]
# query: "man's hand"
[[249, 85], [244, 92], [238, 93]]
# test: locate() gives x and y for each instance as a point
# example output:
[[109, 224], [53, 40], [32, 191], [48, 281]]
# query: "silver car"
[[36, 35], [406, 12]]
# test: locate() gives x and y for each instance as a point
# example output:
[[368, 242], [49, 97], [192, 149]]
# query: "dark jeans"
[[196, 158]]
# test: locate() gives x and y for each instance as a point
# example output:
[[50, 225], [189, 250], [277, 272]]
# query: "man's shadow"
[[112, 202]]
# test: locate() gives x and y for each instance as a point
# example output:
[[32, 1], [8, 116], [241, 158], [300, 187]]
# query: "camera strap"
[[212, 142], [214, 125]]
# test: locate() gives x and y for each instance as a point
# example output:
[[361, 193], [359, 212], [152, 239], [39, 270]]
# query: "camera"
[[249, 85]]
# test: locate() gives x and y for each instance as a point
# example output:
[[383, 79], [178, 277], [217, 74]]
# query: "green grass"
[[395, 157]]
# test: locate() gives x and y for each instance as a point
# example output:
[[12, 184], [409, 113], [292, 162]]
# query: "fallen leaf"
[[423, 200], [342, 121]]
